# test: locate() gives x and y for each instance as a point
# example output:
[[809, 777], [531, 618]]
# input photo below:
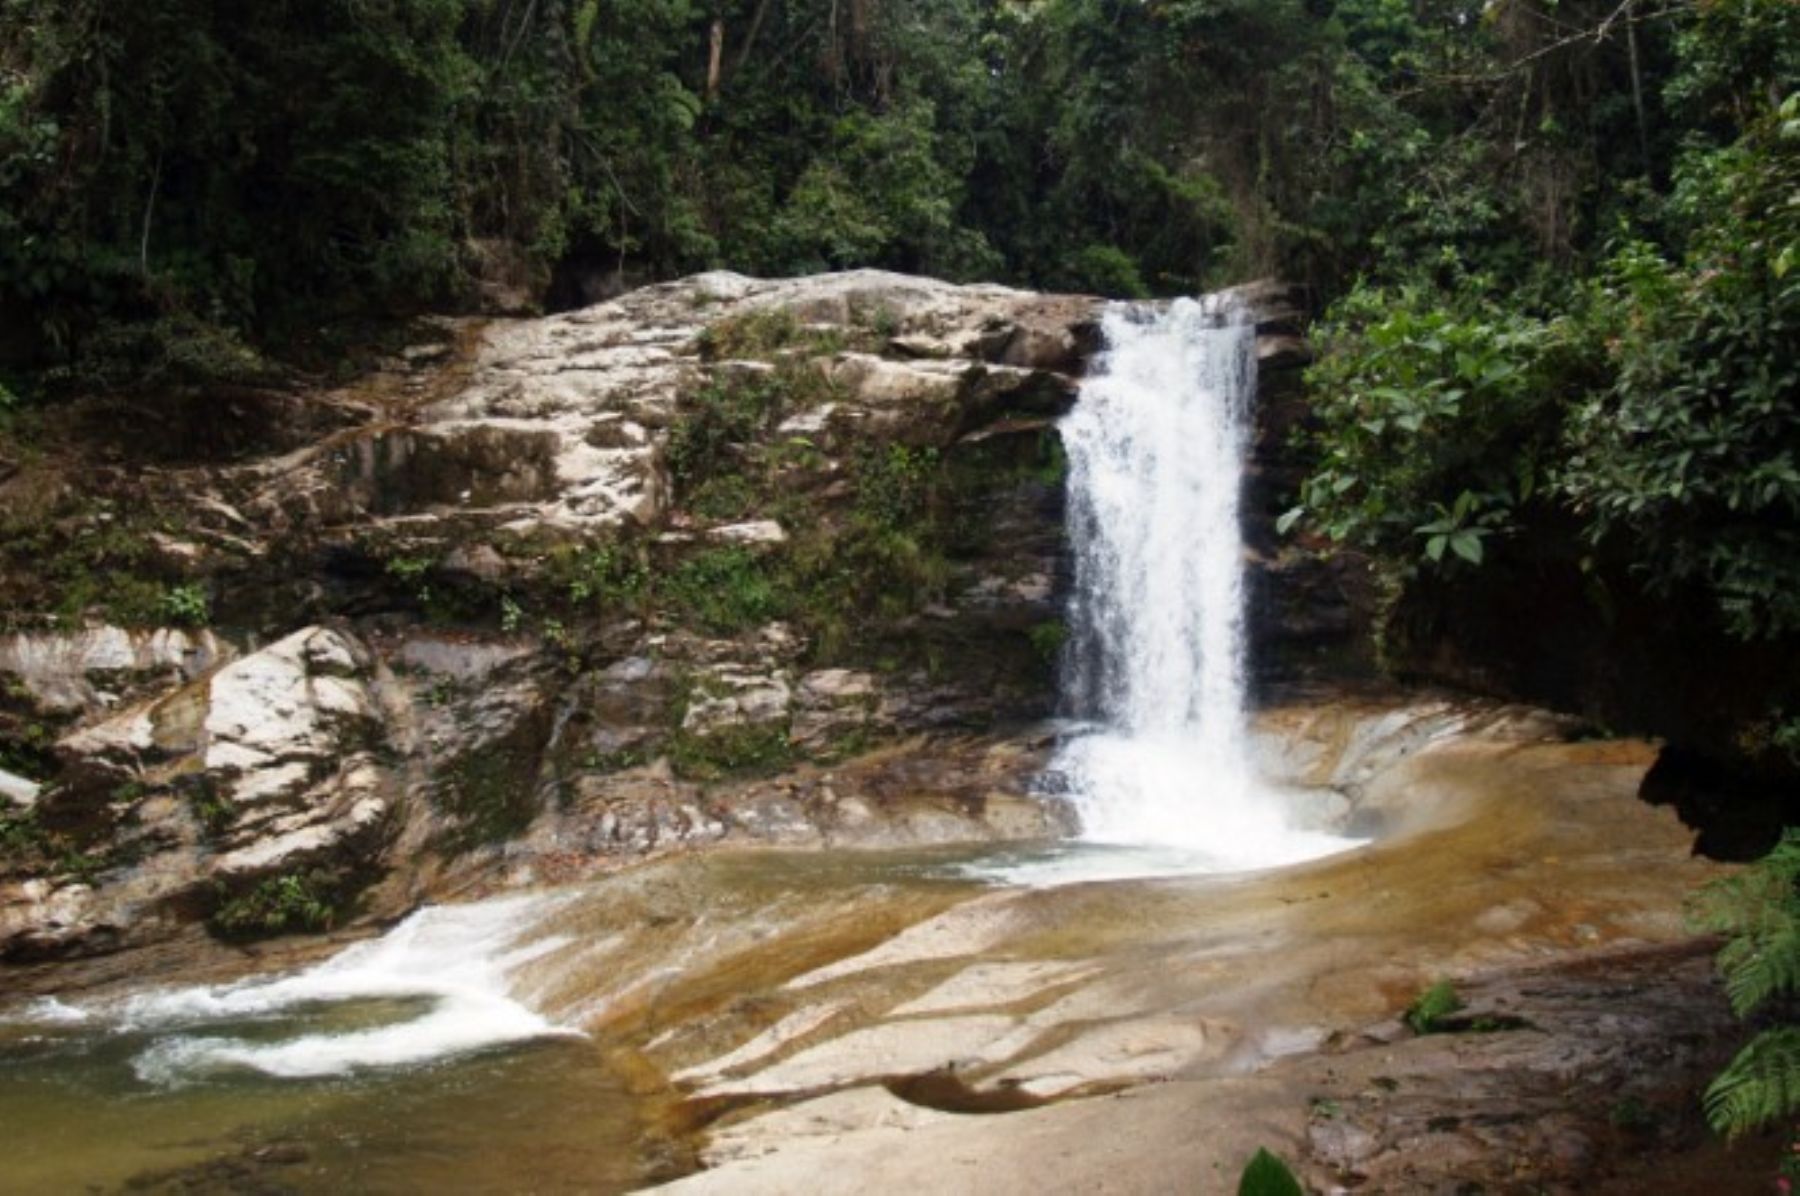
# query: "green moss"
[[80, 556], [849, 582], [490, 796], [619, 761], [29, 848], [762, 334], [896, 485], [724, 497], [737, 751], [845, 746], [1048, 639], [27, 743], [22, 840]]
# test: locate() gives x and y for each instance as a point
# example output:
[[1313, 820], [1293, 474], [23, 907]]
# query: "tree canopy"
[[259, 169], [1555, 239]]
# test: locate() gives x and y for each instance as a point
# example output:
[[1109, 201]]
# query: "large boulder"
[[266, 768]]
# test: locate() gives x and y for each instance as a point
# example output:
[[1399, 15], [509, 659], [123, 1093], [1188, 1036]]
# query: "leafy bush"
[[1690, 459], [186, 605], [176, 350], [1105, 270], [608, 577], [27, 847], [1437, 423], [895, 484], [278, 905], [1048, 638], [22, 838]]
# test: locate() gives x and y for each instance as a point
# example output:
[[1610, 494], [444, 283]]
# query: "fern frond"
[[1744, 902], [1760, 1085], [1760, 909], [1762, 964]]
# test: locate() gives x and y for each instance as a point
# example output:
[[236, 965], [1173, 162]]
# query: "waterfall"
[[1155, 661]]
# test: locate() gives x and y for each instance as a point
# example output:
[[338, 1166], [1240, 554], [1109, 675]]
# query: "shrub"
[[1437, 423], [610, 576], [1690, 459], [895, 484], [278, 905], [1105, 270], [186, 605]]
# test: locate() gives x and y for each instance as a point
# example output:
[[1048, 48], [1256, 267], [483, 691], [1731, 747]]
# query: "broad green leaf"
[[1267, 1175]]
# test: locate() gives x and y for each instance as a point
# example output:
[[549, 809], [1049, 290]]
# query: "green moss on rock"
[[735, 751]]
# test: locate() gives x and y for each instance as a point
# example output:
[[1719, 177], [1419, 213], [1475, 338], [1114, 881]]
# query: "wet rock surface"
[[1150, 1036], [848, 1020]]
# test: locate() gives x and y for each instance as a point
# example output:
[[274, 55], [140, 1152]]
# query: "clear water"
[[1156, 659]]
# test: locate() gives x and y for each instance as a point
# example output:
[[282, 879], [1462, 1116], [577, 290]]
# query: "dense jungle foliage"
[[1555, 240], [185, 180]]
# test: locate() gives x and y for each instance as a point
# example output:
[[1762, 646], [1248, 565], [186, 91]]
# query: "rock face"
[[90, 670], [721, 559], [561, 423], [263, 768], [1310, 611]]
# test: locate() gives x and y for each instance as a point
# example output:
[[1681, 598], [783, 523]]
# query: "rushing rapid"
[[438, 985], [1155, 665]]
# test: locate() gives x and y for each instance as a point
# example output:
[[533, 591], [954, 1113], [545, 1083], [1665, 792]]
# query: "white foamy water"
[[450, 968], [1156, 447]]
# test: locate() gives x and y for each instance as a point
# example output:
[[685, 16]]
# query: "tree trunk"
[[715, 58]]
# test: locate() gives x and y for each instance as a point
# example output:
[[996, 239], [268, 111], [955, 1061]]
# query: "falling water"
[[1155, 663]]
